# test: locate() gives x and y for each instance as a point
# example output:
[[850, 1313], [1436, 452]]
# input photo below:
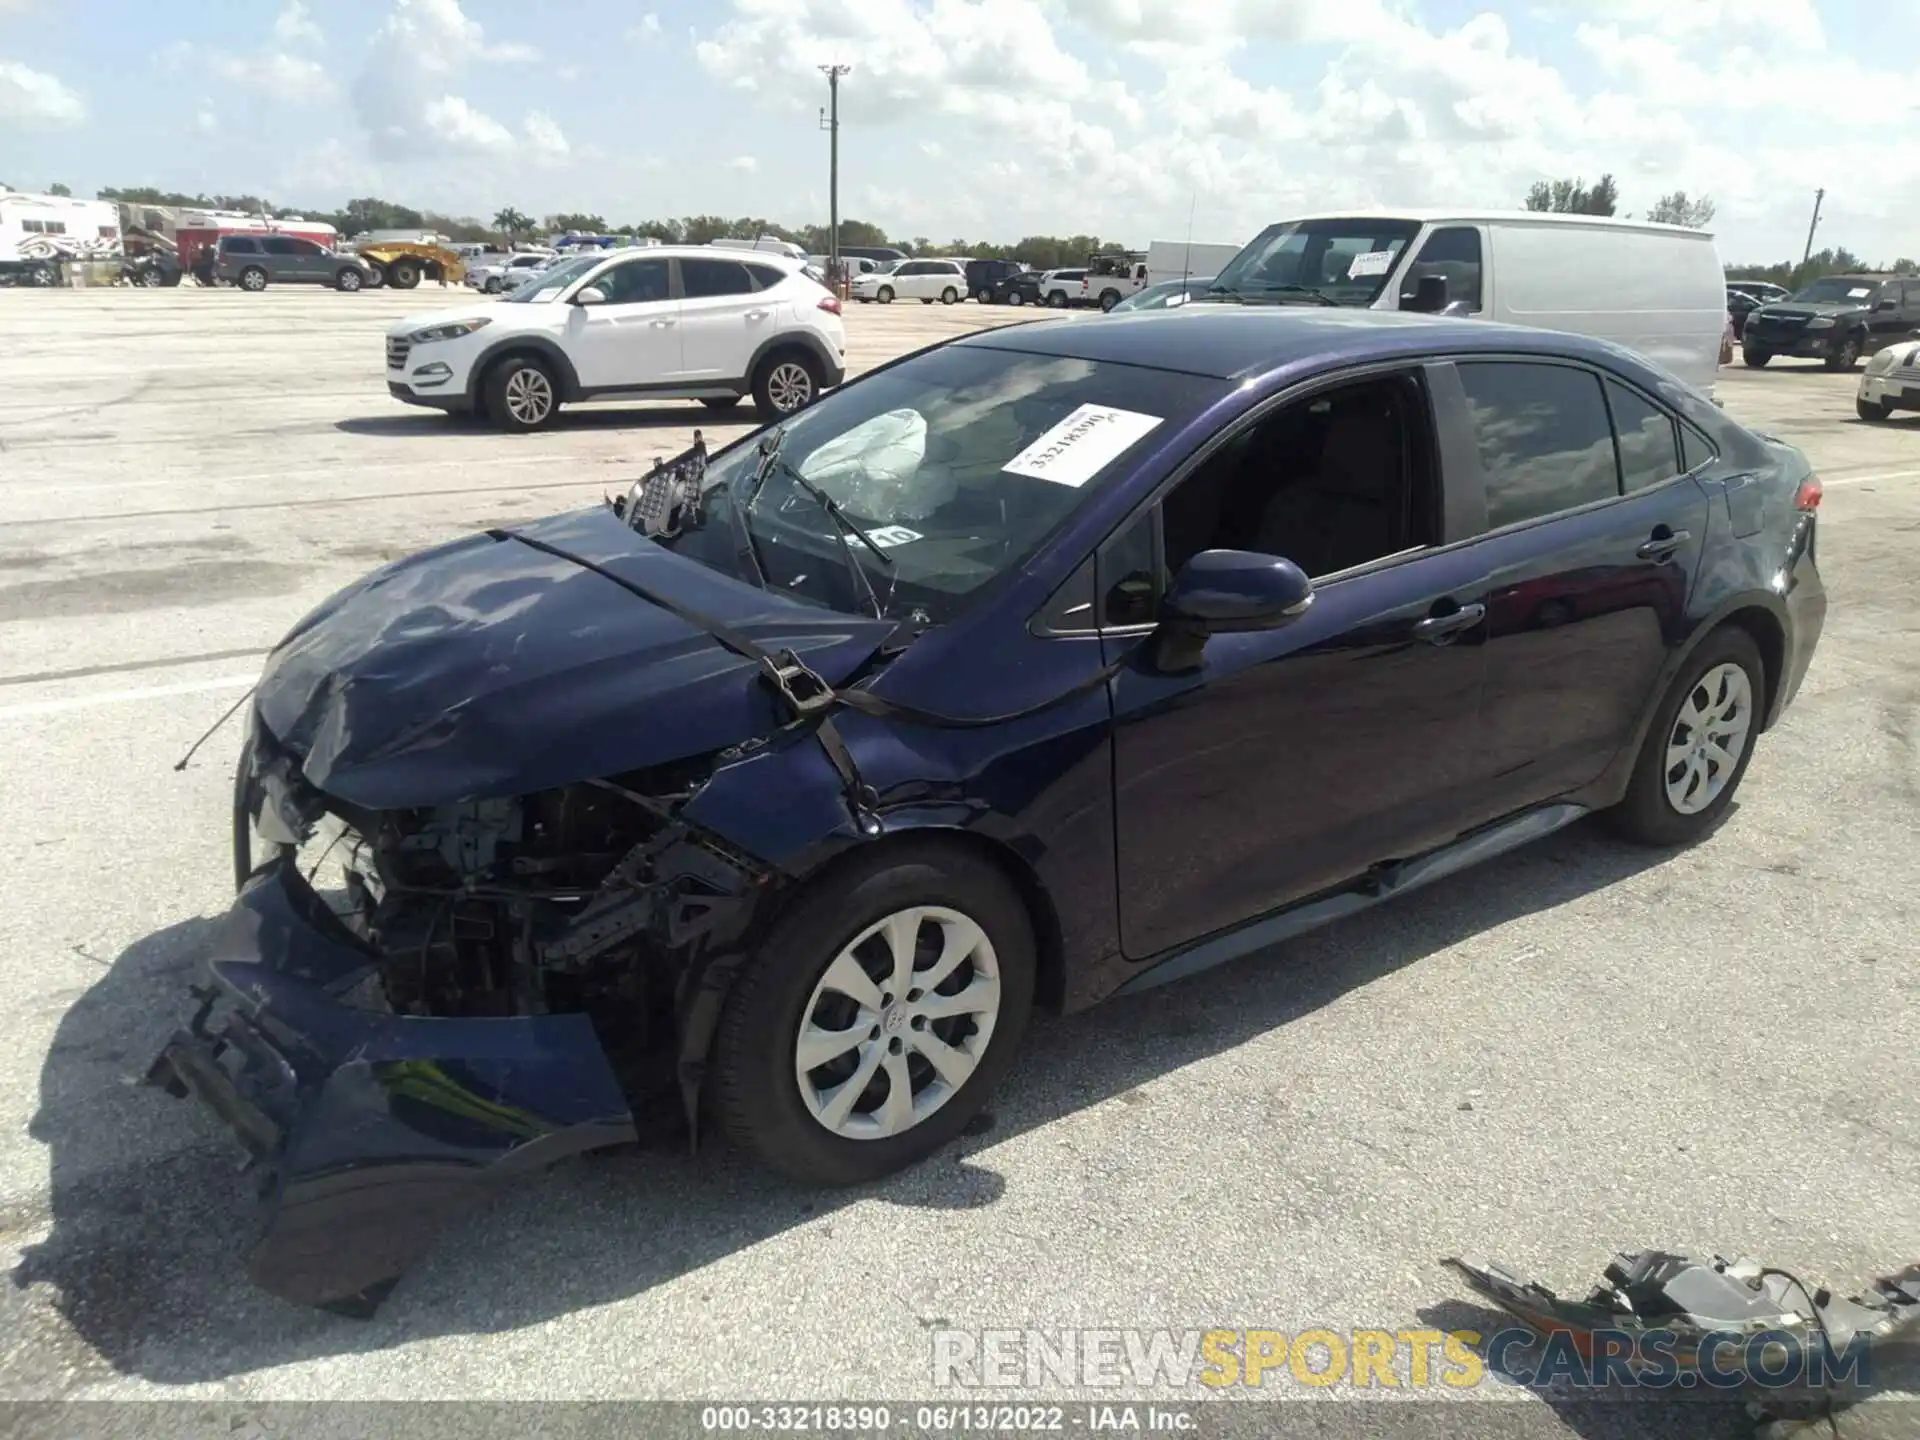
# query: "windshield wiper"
[[847, 531], [1256, 296], [745, 549]]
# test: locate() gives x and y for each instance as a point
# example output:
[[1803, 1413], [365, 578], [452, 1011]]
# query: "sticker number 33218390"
[[1080, 446]]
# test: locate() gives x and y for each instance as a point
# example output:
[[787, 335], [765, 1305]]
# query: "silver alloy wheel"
[[789, 386], [1708, 738], [529, 396], [349, 279], [254, 279], [898, 1023]]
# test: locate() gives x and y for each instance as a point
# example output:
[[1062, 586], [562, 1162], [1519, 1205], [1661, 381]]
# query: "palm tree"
[[511, 222]]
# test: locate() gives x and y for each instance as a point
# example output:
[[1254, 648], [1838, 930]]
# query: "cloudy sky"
[[985, 118]]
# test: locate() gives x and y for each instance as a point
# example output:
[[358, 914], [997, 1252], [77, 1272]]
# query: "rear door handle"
[[1438, 629], [1662, 546]]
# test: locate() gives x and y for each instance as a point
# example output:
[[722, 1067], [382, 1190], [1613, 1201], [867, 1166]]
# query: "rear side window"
[[704, 279], [765, 277], [1648, 454], [1695, 449], [1546, 444], [1453, 253]]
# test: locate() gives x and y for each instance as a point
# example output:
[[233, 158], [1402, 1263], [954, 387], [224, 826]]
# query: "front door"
[[632, 338], [1290, 761], [1594, 537], [724, 317]]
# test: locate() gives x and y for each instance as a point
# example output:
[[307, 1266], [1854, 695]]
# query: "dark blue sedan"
[[1056, 661]]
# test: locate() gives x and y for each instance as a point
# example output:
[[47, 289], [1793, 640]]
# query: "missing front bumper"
[[371, 1130]]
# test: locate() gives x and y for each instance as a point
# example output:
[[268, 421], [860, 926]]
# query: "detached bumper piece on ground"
[[1654, 1293]]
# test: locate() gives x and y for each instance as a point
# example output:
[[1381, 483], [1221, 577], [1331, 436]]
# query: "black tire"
[[512, 391], [1876, 412], [756, 1093], [1847, 357], [494, 285], [983, 297], [1056, 299], [1108, 299], [1646, 815], [1016, 297], [884, 294], [926, 302], [1756, 359], [348, 280], [778, 390], [252, 278], [152, 279], [720, 402], [403, 274], [949, 296]]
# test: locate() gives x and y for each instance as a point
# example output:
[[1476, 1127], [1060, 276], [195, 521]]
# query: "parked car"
[[983, 275], [503, 273], [1109, 279], [252, 262], [1022, 288], [1168, 294], [1836, 319], [1060, 289], [1764, 291], [684, 322], [1740, 304], [1657, 289], [1891, 382], [1048, 664], [922, 280]]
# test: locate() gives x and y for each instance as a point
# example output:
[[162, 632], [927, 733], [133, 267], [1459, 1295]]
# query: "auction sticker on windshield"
[[1080, 446], [1373, 262]]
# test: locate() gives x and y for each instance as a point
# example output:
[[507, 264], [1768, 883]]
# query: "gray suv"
[[253, 261]]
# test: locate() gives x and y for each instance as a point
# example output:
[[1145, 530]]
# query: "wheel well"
[[484, 372], [1772, 640], [782, 350]]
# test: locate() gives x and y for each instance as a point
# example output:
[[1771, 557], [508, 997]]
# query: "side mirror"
[[592, 295], [1224, 592], [1429, 297]]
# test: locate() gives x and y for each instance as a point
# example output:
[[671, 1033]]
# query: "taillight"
[[830, 304], [1807, 498]]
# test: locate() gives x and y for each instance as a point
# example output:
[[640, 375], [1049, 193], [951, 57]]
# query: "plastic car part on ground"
[[1654, 1292]]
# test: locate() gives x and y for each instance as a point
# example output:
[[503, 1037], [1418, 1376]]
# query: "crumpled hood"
[[487, 668]]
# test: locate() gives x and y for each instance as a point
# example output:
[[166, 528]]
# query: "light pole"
[[1818, 196], [830, 122]]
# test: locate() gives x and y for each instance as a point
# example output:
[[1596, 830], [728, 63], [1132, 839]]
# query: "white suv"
[[663, 322], [922, 280]]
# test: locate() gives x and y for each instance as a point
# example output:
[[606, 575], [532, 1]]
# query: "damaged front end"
[[483, 988]]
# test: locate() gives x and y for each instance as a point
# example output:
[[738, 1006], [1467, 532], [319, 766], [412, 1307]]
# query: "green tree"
[[575, 220], [1575, 197], [511, 223], [1678, 209], [58, 189]]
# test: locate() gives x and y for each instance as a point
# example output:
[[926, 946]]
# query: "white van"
[[770, 243], [1657, 289], [1182, 259]]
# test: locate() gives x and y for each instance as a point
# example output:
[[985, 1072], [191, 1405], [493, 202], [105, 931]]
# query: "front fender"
[[547, 349]]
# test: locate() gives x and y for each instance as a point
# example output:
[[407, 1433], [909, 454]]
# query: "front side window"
[[1452, 253], [1342, 262], [1546, 444], [240, 245], [1837, 290], [638, 282], [279, 245], [707, 279], [1648, 454], [958, 463], [551, 284]]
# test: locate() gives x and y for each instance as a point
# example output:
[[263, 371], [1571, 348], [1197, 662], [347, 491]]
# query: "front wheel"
[[521, 394], [1847, 356], [885, 295], [876, 1019], [786, 383], [1109, 299], [1057, 300], [348, 280], [1016, 298], [1877, 411], [152, 279], [1756, 359], [1698, 746], [494, 285]]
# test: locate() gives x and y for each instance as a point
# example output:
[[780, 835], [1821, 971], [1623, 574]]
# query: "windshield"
[[1346, 262], [1837, 289], [957, 464], [541, 286]]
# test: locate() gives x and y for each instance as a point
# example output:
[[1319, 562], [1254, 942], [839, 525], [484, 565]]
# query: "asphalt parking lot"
[[1577, 1049]]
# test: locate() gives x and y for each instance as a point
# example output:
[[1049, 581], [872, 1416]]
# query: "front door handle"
[[757, 314], [1439, 629], [662, 324], [1663, 544]]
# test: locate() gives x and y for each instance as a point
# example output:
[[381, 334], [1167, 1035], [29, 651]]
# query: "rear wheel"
[[253, 278], [521, 393], [949, 296], [403, 274], [877, 1018], [1847, 356], [1057, 300], [1756, 359], [1109, 299], [983, 297], [1875, 410], [787, 382], [1698, 746]]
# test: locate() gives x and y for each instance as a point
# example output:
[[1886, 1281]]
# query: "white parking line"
[[1869, 479], [114, 697]]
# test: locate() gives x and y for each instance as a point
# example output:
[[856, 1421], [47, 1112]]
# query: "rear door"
[[724, 317], [1593, 538]]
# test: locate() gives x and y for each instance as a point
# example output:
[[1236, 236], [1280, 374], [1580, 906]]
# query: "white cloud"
[[745, 164], [404, 98], [544, 134], [647, 31], [205, 121], [286, 77], [33, 97], [464, 128], [295, 26]]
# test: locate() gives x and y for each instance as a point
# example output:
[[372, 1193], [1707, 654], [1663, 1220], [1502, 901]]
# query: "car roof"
[[1234, 342], [1430, 216]]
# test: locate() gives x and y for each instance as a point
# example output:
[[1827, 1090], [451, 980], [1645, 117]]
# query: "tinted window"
[[1454, 253], [239, 245], [1647, 451], [634, 283], [1127, 575], [704, 279], [279, 245], [1545, 441], [765, 276], [1695, 449]]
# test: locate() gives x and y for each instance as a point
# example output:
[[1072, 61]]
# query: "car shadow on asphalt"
[[433, 425], [144, 1258]]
